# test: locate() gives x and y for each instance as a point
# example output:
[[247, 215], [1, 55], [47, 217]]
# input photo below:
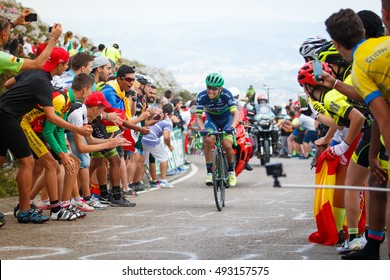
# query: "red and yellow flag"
[[323, 202]]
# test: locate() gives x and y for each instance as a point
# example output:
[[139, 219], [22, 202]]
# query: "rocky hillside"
[[39, 31]]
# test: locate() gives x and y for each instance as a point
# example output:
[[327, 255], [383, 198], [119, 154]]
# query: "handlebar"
[[219, 134]]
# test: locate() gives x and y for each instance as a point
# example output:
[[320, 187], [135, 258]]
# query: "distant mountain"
[[255, 52], [246, 52]]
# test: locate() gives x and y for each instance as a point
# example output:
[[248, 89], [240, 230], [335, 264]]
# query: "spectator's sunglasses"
[[4, 22], [128, 79]]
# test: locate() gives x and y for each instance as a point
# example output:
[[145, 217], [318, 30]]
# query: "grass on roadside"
[[8, 186]]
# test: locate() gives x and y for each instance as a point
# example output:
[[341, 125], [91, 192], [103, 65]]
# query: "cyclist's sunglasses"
[[213, 88], [128, 79]]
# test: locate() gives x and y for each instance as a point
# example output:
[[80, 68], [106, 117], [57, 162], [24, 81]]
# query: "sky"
[[248, 41]]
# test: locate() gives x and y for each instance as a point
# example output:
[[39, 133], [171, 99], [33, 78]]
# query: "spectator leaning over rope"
[[153, 145], [32, 88], [14, 64]]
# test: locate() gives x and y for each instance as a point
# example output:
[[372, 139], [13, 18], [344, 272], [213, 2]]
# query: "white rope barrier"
[[337, 187]]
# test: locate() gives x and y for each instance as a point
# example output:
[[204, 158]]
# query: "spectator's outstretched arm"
[[20, 20], [44, 56], [52, 117]]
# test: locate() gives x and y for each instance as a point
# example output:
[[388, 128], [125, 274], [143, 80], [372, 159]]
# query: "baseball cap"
[[99, 61], [57, 56], [116, 46], [97, 98]]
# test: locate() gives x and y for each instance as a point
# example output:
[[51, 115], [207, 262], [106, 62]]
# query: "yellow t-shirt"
[[112, 53], [371, 68]]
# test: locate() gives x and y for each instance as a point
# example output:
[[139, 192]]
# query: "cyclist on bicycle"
[[221, 113]]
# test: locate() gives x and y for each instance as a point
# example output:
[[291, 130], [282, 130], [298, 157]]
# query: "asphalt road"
[[259, 222]]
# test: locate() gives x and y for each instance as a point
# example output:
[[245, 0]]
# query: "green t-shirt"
[[10, 62], [250, 92]]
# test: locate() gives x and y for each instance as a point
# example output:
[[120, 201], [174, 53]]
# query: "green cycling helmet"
[[328, 53], [214, 80]]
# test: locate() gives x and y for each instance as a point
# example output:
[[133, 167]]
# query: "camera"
[[50, 28], [275, 170], [31, 17], [130, 93]]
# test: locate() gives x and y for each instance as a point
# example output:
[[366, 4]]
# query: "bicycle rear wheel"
[[9, 162], [219, 173]]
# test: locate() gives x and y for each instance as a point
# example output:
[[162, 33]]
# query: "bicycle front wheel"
[[219, 173]]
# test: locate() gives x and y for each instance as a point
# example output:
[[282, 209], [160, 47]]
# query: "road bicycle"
[[195, 144], [220, 169], [9, 163]]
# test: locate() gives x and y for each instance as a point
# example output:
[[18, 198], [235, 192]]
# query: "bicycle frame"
[[220, 170]]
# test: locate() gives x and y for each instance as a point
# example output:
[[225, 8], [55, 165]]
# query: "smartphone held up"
[[302, 97], [317, 70], [31, 17]]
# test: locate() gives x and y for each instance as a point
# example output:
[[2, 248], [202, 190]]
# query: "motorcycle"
[[263, 131]]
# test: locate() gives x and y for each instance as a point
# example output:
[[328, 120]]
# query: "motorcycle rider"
[[262, 99], [221, 113]]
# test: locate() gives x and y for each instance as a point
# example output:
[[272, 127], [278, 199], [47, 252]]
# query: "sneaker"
[[209, 179], [355, 244], [248, 166], [43, 205], [30, 216], [2, 220], [232, 179], [32, 207], [95, 203], [129, 191], [182, 168], [341, 235], [82, 205], [80, 214], [105, 199], [172, 172], [165, 184], [154, 184], [65, 214], [138, 187], [122, 202], [364, 254]]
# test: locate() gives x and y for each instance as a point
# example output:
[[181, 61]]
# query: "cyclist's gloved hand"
[[230, 130], [204, 132], [339, 149]]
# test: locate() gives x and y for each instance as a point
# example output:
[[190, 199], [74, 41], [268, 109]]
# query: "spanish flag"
[[326, 233]]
